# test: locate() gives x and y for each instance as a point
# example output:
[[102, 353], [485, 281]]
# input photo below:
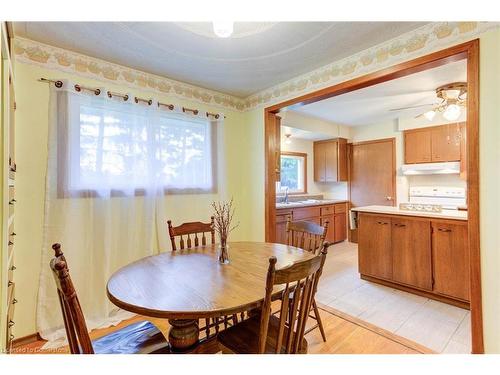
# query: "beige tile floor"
[[436, 325]]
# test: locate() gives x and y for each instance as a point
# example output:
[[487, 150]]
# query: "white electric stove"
[[448, 198]]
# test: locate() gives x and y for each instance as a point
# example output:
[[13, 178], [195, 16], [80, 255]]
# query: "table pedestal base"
[[183, 334]]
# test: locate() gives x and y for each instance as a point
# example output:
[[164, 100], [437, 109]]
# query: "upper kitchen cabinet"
[[445, 143], [434, 144], [330, 160], [417, 146]]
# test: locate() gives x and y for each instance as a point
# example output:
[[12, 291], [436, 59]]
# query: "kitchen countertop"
[[390, 210], [309, 203]]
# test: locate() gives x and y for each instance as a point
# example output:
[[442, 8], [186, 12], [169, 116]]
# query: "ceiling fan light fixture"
[[223, 29], [429, 115], [287, 139], [452, 112]]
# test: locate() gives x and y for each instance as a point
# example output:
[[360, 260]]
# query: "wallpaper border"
[[419, 42]]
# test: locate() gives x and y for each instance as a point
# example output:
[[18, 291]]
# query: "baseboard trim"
[[25, 340], [423, 293], [379, 331]]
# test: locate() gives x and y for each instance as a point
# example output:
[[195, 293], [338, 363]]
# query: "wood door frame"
[[468, 51]]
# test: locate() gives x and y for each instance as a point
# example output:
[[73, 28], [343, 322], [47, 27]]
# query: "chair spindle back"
[[306, 235], [190, 234]]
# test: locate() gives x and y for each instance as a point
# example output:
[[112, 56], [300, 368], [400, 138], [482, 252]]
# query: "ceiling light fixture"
[[288, 140], [429, 115], [452, 112], [223, 29], [453, 97]]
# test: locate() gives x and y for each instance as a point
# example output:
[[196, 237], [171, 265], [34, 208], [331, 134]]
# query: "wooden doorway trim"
[[468, 51]]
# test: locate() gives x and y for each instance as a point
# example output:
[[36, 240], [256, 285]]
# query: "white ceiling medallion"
[[220, 29], [223, 29]]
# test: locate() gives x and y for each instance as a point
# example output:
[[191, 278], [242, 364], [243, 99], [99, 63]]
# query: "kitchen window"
[[294, 172]]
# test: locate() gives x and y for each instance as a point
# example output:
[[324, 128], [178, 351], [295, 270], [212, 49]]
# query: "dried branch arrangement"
[[223, 218]]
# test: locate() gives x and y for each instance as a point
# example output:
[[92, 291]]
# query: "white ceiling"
[[372, 105], [258, 56]]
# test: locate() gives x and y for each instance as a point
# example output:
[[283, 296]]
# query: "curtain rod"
[[125, 97]]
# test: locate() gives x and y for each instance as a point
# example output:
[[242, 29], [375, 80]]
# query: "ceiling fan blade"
[[411, 107]]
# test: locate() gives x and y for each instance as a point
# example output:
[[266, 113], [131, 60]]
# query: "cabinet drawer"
[[306, 213], [282, 218], [327, 210], [340, 208]]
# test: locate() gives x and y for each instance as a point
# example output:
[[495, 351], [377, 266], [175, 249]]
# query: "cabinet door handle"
[[444, 230], [382, 222], [400, 225]]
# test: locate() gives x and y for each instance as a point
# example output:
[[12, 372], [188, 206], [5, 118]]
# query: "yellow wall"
[[245, 180], [31, 157]]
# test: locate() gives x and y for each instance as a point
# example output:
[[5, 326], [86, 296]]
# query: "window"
[[128, 148], [294, 172]]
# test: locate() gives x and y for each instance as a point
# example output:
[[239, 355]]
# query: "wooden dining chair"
[[266, 333], [193, 234], [137, 338], [188, 234], [308, 236]]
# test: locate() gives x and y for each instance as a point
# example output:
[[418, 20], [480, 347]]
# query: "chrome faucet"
[[286, 194]]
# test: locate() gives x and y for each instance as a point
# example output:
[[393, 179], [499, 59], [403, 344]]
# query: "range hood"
[[431, 168]]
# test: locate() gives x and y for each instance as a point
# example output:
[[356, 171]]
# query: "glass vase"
[[223, 254]]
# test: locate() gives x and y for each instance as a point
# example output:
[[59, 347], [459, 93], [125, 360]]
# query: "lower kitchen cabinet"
[[281, 220], [330, 233], [335, 214], [420, 255], [411, 252], [374, 246], [451, 259], [340, 227]]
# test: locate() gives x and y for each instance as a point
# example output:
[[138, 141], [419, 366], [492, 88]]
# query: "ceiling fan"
[[453, 96]]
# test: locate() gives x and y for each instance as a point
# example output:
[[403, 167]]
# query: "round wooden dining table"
[[184, 286]]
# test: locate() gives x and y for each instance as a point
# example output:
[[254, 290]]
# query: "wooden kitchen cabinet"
[[450, 253], [374, 246], [444, 144], [330, 233], [339, 227], [330, 160], [411, 252], [434, 144], [417, 146], [425, 256], [281, 219], [334, 213]]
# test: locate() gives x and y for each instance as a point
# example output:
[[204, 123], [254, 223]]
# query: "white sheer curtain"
[[110, 164]]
